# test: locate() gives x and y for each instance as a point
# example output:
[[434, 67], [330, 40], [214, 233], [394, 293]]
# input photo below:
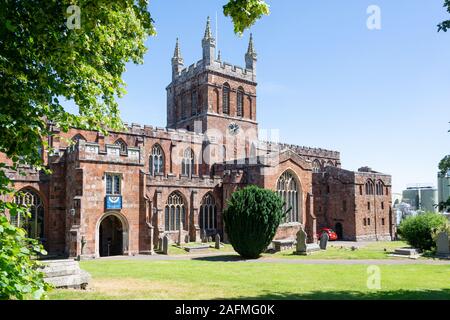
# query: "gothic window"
[[122, 145], [187, 164], [240, 102], [78, 137], [174, 212], [34, 223], [330, 164], [157, 160], [316, 166], [379, 188], [369, 187], [194, 103], [250, 107], [113, 184], [208, 213], [288, 191], [226, 98]]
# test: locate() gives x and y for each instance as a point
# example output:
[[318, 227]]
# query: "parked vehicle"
[[332, 235]]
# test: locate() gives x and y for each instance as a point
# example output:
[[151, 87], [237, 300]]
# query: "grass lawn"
[[201, 279], [375, 250]]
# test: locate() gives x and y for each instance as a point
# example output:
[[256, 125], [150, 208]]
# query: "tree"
[[74, 50], [444, 168], [445, 25], [251, 220]]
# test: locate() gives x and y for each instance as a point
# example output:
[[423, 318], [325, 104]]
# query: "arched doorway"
[[111, 242], [338, 229]]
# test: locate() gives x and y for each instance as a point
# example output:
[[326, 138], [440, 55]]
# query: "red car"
[[331, 234]]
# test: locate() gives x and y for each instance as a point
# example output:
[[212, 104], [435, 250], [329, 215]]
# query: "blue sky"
[[380, 97]]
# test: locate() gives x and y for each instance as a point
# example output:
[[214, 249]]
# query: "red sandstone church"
[[118, 194]]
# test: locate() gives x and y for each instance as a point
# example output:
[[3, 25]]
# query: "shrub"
[[251, 220], [418, 230], [20, 277]]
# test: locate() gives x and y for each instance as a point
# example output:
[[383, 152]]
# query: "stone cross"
[[301, 240], [442, 244], [165, 245], [324, 241], [217, 246]]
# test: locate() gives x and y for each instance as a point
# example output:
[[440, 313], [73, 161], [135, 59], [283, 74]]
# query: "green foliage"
[[20, 277], [418, 230], [244, 13], [251, 220], [445, 25]]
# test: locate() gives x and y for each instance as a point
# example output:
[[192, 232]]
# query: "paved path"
[[232, 257]]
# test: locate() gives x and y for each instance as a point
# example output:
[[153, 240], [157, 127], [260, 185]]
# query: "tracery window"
[[157, 160], [240, 102], [287, 189], [316, 166], [379, 188], [122, 145], [369, 187], [187, 164], [33, 224], [175, 212], [226, 98], [208, 213]]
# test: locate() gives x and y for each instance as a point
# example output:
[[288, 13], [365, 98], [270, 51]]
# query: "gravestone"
[[301, 241], [186, 238], [165, 245], [160, 243], [324, 241], [217, 246], [442, 244], [210, 239], [204, 237], [180, 234]]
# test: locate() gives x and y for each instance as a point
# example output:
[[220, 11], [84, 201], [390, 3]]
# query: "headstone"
[[210, 239], [187, 238], [217, 245], [204, 237], [165, 245], [324, 241], [160, 244], [442, 244], [180, 234], [301, 240], [150, 230]]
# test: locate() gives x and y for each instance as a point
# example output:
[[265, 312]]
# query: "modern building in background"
[[421, 198], [443, 187]]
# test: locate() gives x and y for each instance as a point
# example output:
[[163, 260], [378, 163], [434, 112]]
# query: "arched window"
[[175, 212], [157, 160], [78, 137], [226, 98], [379, 188], [330, 164], [123, 146], [240, 102], [316, 167], [288, 191], [194, 103], [33, 224], [369, 187], [208, 213], [187, 164], [250, 107]]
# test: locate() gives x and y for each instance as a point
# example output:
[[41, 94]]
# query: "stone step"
[[58, 270], [79, 280]]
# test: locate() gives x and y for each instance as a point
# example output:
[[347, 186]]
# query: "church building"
[[118, 194]]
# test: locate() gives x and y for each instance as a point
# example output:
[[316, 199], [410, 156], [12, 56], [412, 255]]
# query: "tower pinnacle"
[[208, 45], [177, 61], [250, 56]]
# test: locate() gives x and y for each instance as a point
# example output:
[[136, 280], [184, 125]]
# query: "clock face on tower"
[[233, 128]]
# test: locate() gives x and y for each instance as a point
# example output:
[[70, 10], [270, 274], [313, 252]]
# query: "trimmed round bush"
[[251, 220], [418, 230]]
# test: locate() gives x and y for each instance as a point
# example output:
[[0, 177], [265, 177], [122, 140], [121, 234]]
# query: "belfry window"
[[208, 213], [379, 188], [122, 145], [226, 99], [287, 189], [187, 164], [240, 103], [175, 212], [369, 187], [157, 160], [316, 167], [34, 223]]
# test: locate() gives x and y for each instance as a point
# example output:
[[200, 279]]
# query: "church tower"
[[211, 93]]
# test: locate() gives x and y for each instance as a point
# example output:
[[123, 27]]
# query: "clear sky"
[[380, 97]]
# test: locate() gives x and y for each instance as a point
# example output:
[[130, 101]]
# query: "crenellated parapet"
[[183, 181], [306, 152]]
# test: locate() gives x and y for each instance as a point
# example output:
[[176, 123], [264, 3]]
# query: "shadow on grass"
[[443, 294], [221, 258]]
